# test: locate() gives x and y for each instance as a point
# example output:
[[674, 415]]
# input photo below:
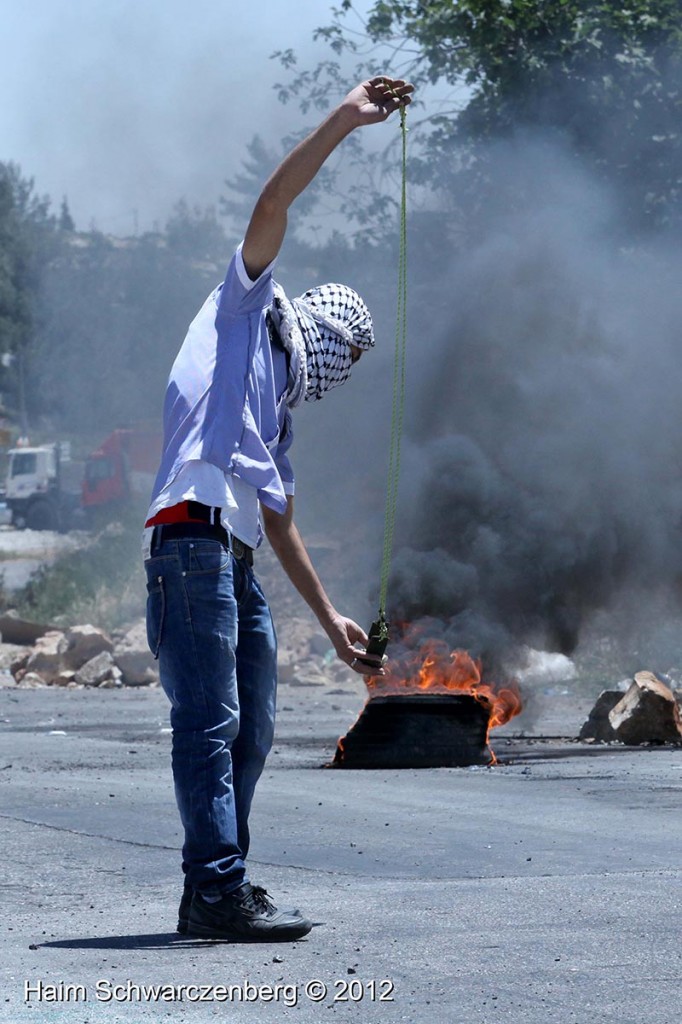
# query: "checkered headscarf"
[[317, 330]]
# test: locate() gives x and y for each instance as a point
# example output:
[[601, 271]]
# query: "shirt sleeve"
[[239, 294], [281, 458]]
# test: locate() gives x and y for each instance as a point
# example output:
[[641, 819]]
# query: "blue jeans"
[[211, 629]]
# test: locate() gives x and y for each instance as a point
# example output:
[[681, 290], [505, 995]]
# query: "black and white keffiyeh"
[[317, 330]]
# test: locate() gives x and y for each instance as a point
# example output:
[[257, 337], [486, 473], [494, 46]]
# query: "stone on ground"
[[648, 713], [96, 670], [134, 659], [46, 659], [82, 643], [597, 726]]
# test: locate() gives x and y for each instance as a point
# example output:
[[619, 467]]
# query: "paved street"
[[543, 890]]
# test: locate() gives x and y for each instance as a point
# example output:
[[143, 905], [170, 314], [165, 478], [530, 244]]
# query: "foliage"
[[29, 238], [66, 222], [603, 78], [108, 318], [89, 325], [101, 583], [195, 234], [244, 188], [321, 199]]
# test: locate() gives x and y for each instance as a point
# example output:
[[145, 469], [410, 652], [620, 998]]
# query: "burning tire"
[[418, 731]]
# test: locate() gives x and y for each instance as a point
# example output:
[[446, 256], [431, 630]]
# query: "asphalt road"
[[543, 890]]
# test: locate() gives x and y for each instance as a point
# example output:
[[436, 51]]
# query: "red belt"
[[186, 512]]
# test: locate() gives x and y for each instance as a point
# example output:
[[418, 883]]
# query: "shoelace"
[[259, 897]]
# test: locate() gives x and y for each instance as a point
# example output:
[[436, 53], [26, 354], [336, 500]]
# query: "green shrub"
[[101, 583]]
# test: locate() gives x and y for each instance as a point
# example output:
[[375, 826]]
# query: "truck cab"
[[32, 488], [122, 467]]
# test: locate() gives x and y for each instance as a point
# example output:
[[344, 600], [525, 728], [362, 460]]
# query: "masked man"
[[250, 356]]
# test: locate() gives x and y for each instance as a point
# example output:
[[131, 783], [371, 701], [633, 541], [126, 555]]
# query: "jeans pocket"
[[156, 613], [207, 556]]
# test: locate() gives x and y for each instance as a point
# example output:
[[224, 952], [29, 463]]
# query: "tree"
[[196, 233], [602, 78], [66, 222], [313, 205], [112, 313], [28, 241]]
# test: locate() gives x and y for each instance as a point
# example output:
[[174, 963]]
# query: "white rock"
[[134, 659], [648, 713], [96, 670], [82, 643], [46, 658], [31, 681]]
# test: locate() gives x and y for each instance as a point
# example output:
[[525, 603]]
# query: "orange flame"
[[433, 668]]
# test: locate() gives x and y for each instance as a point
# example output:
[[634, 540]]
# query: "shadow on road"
[[521, 751], [158, 940]]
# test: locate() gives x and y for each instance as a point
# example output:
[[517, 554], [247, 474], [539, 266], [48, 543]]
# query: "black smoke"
[[543, 473]]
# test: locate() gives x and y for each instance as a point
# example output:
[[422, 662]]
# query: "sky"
[[126, 106]]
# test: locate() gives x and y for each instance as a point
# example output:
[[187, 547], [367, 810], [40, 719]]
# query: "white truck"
[[35, 489]]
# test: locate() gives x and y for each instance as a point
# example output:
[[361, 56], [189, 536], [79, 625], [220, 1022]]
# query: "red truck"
[[123, 466]]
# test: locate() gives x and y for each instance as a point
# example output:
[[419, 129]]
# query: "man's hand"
[[343, 634], [375, 100]]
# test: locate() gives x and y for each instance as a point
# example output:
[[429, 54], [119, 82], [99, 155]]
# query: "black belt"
[[210, 531], [206, 513]]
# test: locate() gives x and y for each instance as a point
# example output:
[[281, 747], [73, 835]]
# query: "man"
[[249, 357]]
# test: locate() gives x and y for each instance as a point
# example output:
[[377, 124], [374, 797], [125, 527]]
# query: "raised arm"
[[369, 103]]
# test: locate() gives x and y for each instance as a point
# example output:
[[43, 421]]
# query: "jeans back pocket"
[[156, 613]]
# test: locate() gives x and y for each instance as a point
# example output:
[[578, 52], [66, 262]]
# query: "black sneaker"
[[245, 915], [186, 902]]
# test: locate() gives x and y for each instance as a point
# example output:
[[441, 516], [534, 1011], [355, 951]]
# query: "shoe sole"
[[183, 923], [207, 931]]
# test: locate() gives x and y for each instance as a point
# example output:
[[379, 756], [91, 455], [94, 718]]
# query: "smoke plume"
[[541, 486], [542, 479]]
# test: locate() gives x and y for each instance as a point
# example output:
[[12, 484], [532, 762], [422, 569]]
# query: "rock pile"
[[82, 656], [647, 712], [88, 656]]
